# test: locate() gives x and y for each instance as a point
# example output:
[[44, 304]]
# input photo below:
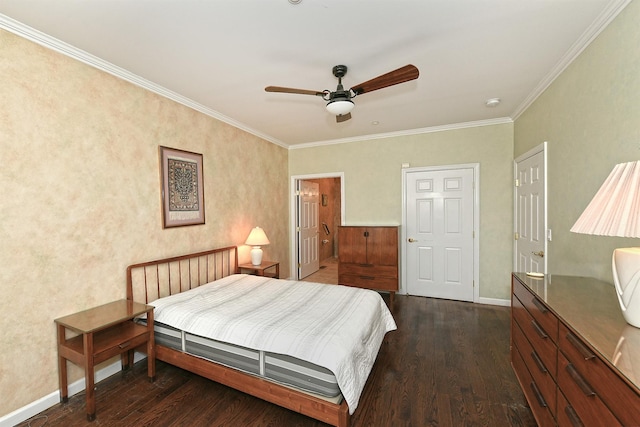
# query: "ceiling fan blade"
[[401, 75], [291, 90], [343, 117]]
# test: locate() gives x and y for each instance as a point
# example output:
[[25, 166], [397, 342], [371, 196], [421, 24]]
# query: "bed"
[[262, 336]]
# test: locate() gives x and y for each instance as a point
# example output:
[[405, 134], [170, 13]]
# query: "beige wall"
[[80, 198], [373, 184], [590, 117]]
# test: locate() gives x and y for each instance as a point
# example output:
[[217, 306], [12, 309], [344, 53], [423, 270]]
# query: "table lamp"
[[256, 239], [615, 211]]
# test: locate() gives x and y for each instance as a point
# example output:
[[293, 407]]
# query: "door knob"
[[412, 240], [539, 253]]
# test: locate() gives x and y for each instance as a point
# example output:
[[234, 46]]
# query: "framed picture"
[[182, 187]]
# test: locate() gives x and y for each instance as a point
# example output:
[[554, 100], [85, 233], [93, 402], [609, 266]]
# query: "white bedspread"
[[337, 327]]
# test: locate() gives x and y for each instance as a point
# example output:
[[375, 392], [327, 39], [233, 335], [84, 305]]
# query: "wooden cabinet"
[[575, 357], [368, 257]]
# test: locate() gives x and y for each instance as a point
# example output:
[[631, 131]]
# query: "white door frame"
[[293, 255], [476, 223], [547, 232]]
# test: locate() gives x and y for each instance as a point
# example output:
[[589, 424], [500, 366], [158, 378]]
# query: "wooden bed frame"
[[151, 280]]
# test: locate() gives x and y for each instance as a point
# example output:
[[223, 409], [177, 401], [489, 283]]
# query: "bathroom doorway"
[[330, 217]]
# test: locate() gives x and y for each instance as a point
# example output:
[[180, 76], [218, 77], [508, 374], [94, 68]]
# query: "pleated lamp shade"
[[615, 211]]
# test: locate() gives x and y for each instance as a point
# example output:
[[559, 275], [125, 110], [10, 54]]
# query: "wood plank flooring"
[[446, 365]]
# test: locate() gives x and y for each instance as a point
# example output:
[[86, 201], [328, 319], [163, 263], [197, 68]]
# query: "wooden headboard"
[[148, 281]]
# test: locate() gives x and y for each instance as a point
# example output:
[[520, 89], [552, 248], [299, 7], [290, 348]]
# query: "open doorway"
[[330, 217]]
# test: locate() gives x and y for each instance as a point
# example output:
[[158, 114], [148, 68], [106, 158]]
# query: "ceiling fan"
[[340, 101]]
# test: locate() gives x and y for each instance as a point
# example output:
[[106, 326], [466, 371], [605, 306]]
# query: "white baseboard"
[[495, 301], [46, 402], [481, 300]]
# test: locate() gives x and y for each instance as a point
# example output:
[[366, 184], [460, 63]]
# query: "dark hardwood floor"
[[446, 365]]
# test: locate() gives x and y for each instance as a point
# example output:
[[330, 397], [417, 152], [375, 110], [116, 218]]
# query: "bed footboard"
[[297, 401]]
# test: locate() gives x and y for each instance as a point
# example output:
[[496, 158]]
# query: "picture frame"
[[182, 187]]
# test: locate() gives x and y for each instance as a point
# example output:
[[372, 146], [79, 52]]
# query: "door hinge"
[[299, 265], [473, 234], [517, 183], [516, 235]]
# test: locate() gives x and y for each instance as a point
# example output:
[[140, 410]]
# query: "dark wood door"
[[352, 245], [382, 246]]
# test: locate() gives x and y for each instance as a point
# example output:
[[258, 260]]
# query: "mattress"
[[282, 369], [336, 327]]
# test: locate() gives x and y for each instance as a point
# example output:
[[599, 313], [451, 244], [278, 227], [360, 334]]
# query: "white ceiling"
[[217, 56]]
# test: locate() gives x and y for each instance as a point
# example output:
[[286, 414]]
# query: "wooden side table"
[[259, 270], [103, 332]]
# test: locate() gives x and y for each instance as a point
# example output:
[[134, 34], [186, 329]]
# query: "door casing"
[[293, 185], [542, 148]]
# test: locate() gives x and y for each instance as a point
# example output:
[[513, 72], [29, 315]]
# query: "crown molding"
[[608, 14], [66, 49], [432, 129], [38, 37]]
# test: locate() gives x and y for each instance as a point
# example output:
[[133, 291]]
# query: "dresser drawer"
[[566, 415], [537, 308], [537, 403], [613, 391], [369, 270], [582, 397], [369, 282], [540, 340], [539, 372]]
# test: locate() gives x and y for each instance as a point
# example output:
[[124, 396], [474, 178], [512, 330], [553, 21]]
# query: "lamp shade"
[[615, 209], [257, 237], [340, 106]]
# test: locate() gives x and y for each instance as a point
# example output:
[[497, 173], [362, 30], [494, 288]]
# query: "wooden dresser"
[[577, 360], [368, 257]]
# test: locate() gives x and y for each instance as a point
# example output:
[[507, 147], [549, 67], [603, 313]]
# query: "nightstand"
[[259, 270], [103, 332]]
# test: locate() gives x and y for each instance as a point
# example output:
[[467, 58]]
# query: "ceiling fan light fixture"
[[340, 106]]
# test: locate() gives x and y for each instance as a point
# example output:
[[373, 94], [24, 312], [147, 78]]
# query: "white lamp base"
[[256, 255], [626, 277]]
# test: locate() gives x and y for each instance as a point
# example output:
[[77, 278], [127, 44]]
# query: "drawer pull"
[[539, 305], [538, 395], [579, 345], [536, 359], [584, 386], [367, 278], [573, 417], [539, 330], [124, 344]]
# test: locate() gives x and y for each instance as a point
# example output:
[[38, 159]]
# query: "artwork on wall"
[[182, 187]]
